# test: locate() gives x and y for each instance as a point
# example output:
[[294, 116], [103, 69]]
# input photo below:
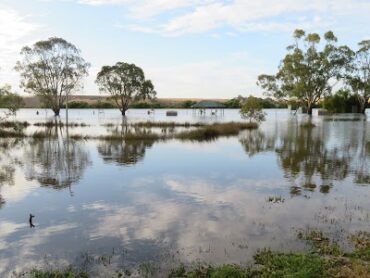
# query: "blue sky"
[[188, 48]]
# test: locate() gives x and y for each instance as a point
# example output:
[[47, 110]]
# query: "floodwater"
[[105, 204]]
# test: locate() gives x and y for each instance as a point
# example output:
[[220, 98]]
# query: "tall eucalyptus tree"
[[125, 83], [358, 77], [307, 73], [52, 69]]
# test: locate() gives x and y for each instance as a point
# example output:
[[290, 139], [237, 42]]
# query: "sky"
[[188, 48]]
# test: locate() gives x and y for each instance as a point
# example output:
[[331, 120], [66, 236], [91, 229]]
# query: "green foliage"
[[320, 242], [358, 74], [265, 103], [233, 103], [340, 102], [52, 69], [9, 100], [290, 265], [125, 83], [326, 261], [37, 273], [146, 104], [102, 105], [187, 103], [78, 104], [305, 72], [252, 110], [224, 271], [85, 105]]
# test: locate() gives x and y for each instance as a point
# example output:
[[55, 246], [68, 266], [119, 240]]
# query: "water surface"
[[172, 201]]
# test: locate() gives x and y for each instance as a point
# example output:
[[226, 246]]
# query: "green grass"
[[290, 264], [68, 273], [320, 242]]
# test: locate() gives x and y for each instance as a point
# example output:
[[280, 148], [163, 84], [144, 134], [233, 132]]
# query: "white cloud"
[[196, 16], [14, 31]]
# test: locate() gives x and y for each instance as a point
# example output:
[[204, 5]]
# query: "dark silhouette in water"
[[37, 112], [30, 220]]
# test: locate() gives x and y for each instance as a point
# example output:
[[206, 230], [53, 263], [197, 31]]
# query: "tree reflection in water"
[[8, 161], [56, 161], [312, 158], [124, 152]]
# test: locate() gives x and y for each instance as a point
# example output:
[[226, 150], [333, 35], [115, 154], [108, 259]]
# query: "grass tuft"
[[11, 133]]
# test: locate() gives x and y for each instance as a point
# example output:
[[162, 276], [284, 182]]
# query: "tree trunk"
[[56, 111], [309, 109], [123, 113], [362, 107]]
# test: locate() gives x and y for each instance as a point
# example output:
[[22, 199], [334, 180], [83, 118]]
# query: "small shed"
[[213, 106]]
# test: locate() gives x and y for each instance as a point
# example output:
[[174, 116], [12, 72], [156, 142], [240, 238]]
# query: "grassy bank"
[[324, 260]]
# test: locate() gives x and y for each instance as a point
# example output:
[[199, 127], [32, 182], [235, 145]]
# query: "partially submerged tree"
[[358, 77], [251, 109], [52, 69], [9, 100], [125, 83], [306, 72]]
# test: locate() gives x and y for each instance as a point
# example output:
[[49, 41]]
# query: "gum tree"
[[52, 69], [125, 83], [9, 100], [358, 77], [309, 70], [251, 109]]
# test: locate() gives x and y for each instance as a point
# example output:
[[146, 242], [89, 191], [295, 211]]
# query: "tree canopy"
[[358, 74], [52, 69], [125, 83], [9, 100], [308, 71], [251, 109]]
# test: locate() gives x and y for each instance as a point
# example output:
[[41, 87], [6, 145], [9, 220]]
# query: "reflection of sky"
[[208, 201]]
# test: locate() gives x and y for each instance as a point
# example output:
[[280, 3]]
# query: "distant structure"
[[213, 106], [171, 113]]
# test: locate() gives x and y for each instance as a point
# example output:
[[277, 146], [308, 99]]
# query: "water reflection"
[[56, 161], [8, 163], [308, 160], [124, 152], [186, 200], [256, 141], [312, 158]]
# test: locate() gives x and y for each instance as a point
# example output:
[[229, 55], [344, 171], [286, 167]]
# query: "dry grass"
[[59, 124], [11, 134], [201, 131], [213, 131], [14, 124]]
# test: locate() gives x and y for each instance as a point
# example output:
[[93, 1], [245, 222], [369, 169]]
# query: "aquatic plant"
[[307, 125], [213, 131], [275, 199], [59, 124]]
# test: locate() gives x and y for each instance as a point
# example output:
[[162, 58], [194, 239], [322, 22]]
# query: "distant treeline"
[[343, 101], [158, 104]]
